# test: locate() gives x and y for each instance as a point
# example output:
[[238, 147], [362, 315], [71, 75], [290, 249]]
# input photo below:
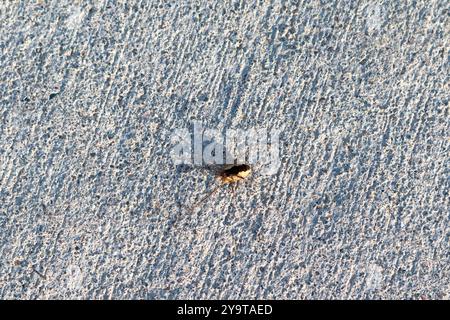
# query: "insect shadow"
[[208, 168]]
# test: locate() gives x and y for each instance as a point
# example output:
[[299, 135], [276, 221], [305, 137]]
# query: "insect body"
[[235, 173], [232, 174]]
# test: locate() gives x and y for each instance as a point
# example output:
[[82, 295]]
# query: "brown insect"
[[235, 173], [230, 174]]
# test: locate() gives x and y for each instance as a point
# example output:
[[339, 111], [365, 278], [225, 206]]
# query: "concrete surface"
[[92, 207]]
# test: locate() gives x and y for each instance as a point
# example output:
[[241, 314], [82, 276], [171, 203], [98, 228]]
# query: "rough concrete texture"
[[92, 206]]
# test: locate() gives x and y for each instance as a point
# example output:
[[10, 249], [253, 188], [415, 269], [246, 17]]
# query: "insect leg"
[[204, 198]]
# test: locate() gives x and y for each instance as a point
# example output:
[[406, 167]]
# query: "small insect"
[[235, 173], [231, 174]]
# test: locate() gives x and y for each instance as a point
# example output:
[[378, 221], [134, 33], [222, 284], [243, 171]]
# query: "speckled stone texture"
[[92, 206]]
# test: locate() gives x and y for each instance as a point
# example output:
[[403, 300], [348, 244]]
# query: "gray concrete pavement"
[[92, 206]]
